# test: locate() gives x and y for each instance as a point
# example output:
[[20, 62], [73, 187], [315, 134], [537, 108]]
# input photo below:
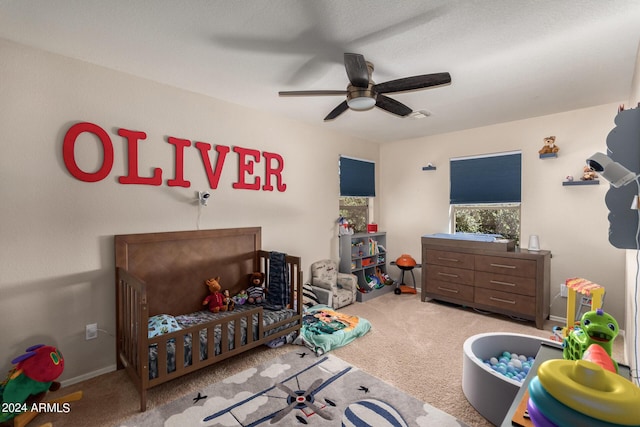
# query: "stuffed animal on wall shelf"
[[215, 299], [255, 292], [588, 174], [549, 146]]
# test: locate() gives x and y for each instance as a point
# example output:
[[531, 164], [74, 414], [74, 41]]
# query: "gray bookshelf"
[[364, 254]]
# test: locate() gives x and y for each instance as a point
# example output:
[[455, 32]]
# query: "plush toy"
[[588, 174], [241, 297], [549, 146], [255, 291], [32, 377], [229, 303], [215, 299]]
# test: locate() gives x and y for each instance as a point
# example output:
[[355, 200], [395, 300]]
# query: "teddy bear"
[[215, 299], [588, 174], [255, 291], [549, 146]]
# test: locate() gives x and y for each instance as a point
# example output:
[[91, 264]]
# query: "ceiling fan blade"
[[392, 106], [412, 83], [341, 108], [313, 93], [357, 69]]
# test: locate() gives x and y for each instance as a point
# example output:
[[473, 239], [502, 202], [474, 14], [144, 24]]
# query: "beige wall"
[[571, 221], [56, 233]]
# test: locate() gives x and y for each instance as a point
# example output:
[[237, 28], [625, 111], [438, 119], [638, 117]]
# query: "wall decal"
[[248, 175]]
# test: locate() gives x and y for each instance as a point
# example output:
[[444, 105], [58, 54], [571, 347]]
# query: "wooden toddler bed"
[[162, 276]]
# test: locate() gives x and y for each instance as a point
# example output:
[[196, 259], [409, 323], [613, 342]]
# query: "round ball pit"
[[488, 391]]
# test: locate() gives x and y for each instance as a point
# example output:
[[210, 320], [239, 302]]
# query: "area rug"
[[297, 388]]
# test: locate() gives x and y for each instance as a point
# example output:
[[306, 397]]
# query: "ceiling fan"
[[363, 94]]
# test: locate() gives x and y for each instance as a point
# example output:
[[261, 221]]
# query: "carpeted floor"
[[413, 345]]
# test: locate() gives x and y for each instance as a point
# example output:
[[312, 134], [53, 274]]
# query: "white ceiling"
[[508, 59]]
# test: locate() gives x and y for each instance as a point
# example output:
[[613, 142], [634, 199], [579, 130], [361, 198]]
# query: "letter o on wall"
[[68, 152]]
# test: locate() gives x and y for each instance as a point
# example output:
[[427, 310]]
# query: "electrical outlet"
[[564, 292], [91, 331]]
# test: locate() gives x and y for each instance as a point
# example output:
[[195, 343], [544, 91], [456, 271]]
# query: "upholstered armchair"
[[343, 286]]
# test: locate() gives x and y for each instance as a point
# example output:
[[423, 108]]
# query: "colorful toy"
[[582, 393], [241, 297], [586, 289], [596, 327], [215, 299], [30, 379]]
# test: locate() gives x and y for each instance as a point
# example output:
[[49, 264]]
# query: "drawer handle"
[[453, 291], [502, 265], [449, 259], [497, 282], [508, 301], [447, 274]]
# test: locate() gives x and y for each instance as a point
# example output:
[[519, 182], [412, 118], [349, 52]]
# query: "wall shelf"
[[549, 156], [590, 182], [428, 168]]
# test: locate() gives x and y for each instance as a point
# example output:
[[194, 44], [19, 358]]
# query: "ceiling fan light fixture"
[[361, 99], [361, 103]]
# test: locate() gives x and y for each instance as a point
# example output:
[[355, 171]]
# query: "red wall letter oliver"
[[214, 176], [245, 166], [132, 149], [69, 156], [179, 180], [276, 171]]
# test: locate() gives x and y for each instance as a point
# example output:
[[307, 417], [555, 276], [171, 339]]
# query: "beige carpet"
[[414, 346]]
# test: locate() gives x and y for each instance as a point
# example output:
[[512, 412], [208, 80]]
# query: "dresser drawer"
[[522, 304], [449, 274], [450, 259], [449, 290], [504, 265], [506, 283]]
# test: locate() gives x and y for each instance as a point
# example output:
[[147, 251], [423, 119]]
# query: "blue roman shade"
[[357, 177], [494, 178]]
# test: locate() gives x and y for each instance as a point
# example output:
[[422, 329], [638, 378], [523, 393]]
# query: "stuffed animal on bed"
[[241, 297], [229, 303], [255, 291], [215, 298]]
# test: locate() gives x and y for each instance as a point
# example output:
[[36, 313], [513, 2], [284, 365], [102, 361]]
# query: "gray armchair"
[[343, 286]]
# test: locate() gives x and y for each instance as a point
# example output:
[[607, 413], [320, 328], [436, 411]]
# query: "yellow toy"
[[586, 288]]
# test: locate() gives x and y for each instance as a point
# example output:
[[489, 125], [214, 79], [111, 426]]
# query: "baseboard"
[[558, 319], [88, 375]]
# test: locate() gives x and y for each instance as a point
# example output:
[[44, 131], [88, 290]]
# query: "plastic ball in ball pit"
[[511, 365]]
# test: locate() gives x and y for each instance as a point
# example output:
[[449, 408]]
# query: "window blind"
[[494, 178], [357, 177]]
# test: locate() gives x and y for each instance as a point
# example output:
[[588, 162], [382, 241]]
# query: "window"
[[485, 194], [357, 185], [356, 211]]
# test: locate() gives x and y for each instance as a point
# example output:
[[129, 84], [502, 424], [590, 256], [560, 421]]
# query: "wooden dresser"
[[493, 279]]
